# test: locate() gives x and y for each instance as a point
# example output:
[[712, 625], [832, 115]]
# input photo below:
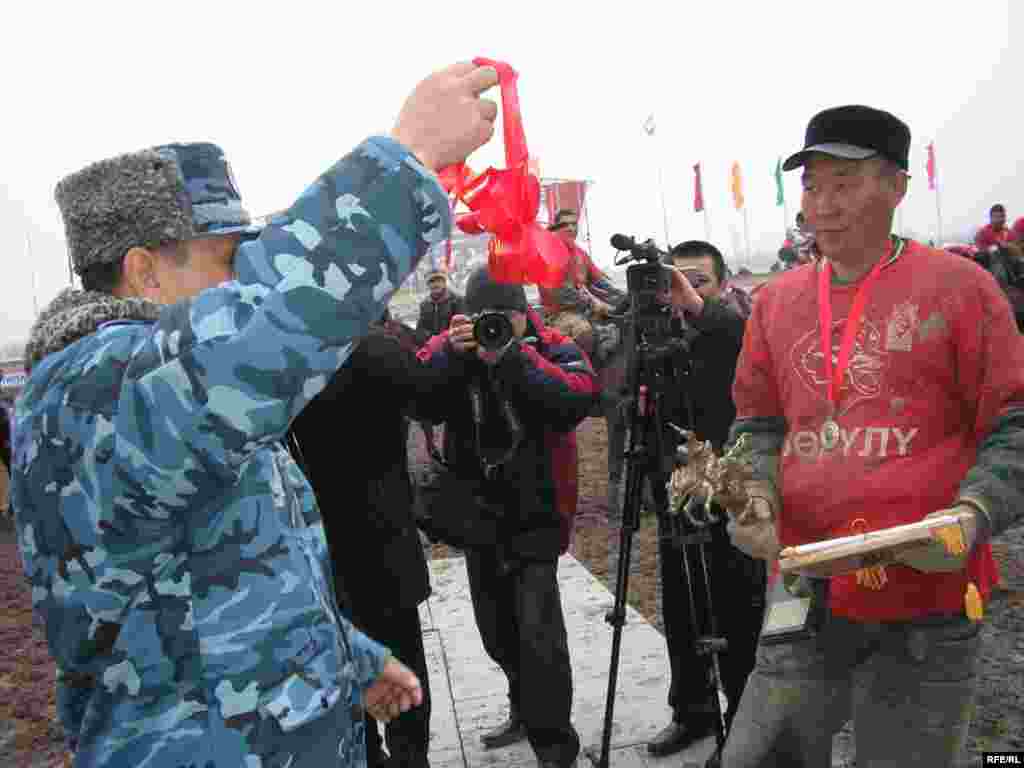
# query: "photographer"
[[715, 334], [512, 407]]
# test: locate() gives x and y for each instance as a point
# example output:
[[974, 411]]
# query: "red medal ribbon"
[[835, 378]]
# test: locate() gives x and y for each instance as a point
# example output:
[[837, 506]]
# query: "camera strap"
[[488, 465]]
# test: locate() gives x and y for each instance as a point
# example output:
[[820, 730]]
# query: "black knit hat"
[[855, 132], [482, 292]]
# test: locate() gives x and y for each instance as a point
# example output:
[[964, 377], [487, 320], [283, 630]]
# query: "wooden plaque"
[[835, 557]]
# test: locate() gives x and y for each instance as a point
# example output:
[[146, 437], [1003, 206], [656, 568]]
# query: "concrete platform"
[[469, 690]]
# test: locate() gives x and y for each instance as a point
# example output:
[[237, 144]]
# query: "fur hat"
[[168, 193], [482, 292]]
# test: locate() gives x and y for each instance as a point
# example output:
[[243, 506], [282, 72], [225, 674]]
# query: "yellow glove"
[[953, 544]]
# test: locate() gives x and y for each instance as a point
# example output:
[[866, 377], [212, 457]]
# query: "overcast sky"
[[288, 88]]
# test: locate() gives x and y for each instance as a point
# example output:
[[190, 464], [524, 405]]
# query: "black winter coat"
[[437, 316], [525, 505], [352, 438], [716, 337]]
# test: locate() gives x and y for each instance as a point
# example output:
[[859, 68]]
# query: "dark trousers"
[[408, 735], [518, 611], [738, 597], [913, 704]]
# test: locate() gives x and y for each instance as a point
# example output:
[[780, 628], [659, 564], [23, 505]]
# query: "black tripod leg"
[[617, 616], [635, 458], [723, 700]]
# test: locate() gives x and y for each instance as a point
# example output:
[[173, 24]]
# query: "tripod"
[[656, 370]]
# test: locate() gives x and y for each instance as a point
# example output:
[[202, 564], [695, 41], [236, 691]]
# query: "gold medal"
[[830, 434]]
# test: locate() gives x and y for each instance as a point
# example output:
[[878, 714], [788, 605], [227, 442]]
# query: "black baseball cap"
[[855, 132]]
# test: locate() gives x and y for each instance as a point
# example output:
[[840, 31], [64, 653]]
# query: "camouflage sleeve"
[[989, 361], [996, 481], [369, 656], [765, 435], [226, 372]]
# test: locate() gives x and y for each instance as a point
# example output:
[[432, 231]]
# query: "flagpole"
[[781, 197], [664, 209], [746, 233], [707, 223], [651, 129], [933, 182], [31, 261]]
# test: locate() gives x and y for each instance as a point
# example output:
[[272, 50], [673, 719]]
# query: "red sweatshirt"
[[937, 360], [988, 236]]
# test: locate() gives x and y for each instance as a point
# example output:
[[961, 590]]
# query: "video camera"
[[649, 284], [660, 376]]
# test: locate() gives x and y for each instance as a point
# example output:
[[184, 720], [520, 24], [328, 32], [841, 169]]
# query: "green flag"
[[780, 196]]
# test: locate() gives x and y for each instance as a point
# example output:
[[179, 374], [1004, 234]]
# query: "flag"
[[565, 194], [698, 190], [649, 125], [931, 166], [737, 186], [780, 195]]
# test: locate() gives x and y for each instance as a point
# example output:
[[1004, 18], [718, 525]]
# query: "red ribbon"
[[504, 202], [835, 379]]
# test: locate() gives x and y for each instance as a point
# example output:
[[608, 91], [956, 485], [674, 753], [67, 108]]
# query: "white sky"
[[288, 88]]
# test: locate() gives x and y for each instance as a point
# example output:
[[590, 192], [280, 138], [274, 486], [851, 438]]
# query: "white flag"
[[649, 125]]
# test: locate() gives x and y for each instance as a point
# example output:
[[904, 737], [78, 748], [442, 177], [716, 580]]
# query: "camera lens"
[[492, 330]]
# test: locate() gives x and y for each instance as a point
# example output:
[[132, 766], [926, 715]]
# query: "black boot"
[[677, 736], [509, 732]]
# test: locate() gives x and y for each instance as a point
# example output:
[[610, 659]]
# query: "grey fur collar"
[[75, 314]]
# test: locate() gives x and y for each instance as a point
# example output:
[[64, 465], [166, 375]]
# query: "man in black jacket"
[[436, 313], [438, 309], [366, 496], [509, 499], [715, 331]]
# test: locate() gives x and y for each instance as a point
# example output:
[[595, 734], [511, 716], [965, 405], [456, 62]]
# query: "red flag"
[[565, 194], [931, 166], [698, 190]]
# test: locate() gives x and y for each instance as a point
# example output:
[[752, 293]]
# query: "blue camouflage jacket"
[[174, 550]]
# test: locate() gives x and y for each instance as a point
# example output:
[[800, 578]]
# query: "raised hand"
[[444, 119]]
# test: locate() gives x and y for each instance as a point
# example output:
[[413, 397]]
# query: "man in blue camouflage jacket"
[[174, 549]]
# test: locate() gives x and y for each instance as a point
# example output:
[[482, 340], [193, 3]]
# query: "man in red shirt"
[[995, 233], [585, 295], [878, 386]]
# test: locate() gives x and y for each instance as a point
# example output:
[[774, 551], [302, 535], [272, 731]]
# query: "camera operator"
[[715, 333], [512, 405]]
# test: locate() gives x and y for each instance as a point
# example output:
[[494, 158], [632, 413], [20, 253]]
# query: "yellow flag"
[[737, 186]]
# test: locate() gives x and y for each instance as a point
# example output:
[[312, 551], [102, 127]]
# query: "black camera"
[[492, 330], [649, 283]]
